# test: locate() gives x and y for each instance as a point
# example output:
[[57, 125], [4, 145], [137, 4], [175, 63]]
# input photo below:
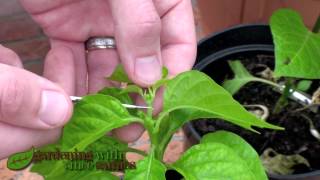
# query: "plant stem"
[[283, 100], [149, 98], [142, 153], [267, 82], [316, 27], [159, 152], [149, 122]]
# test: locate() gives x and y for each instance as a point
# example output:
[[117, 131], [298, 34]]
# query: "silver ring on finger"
[[96, 43]]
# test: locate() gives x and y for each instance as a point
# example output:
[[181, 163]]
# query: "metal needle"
[[130, 106]]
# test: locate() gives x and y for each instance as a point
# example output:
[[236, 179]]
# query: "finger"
[[178, 40], [7, 56], [101, 64], [133, 131], [38, 6], [137, 33], [71, 20], [59, 68], [26, 137], [129, 133], [158, 101], [28, 100], [78, 53]]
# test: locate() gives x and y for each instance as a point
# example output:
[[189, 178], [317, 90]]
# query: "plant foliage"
[[297, 49], [190, 95]]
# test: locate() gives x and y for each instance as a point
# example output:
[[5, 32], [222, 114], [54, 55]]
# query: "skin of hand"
[[149, 34]]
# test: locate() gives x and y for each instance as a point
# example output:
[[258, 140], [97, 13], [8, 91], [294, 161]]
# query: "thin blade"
[[130, 106]]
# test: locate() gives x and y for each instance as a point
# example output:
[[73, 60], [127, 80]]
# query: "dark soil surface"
[[295, 139]]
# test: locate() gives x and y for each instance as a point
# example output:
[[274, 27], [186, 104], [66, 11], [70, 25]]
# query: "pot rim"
[[201, 41]]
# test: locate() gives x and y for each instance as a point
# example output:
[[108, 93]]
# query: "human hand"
[[32, 109], [149, 34]]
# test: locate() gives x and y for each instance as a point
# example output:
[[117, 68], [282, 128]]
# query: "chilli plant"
[[188, 96]]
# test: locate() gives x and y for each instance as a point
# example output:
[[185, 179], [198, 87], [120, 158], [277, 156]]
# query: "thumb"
[[137, 33], [31, 101]]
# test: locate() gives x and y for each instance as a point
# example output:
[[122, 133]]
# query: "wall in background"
[[216, 15]]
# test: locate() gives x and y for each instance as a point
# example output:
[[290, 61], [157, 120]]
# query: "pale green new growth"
[[119, 75], [241, 78], [303, 85]]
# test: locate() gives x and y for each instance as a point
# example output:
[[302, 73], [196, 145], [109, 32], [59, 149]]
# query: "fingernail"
[[54, 108], [147, 69]]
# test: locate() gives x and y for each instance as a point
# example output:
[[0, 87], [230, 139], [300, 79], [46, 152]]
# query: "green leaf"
[[194, 95], [92, 118], [297, 50], [110, 143], [121, 96], [213, 161], [241, 78], [71, 175], [43, 167], [160, 83], [132, 89], [241, 148], [304, 85], [147, 169], [104, 144], [165, 72], [61, 173], [20, 160], [119, 75]]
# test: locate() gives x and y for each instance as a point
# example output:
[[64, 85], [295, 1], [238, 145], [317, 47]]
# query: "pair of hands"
[[149, 34]]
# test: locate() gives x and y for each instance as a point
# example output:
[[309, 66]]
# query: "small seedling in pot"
[[297, 58], [190, 95], [297, 64]]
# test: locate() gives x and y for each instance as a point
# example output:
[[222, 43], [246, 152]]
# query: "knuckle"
[[147, 27], [8, 56], [166, 6], [11, 95], [146, 13]]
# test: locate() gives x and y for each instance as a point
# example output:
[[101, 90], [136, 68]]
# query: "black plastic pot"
[[213, 53]]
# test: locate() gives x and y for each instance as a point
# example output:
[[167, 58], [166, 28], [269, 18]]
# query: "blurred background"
[[216, 15], [20, 33]]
